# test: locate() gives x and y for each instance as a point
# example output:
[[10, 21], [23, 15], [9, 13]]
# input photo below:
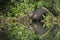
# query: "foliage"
[[19, 8]]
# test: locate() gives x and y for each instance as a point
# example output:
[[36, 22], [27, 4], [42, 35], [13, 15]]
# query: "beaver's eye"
[[34, 21]]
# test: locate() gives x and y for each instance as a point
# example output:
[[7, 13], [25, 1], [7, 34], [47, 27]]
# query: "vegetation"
[[11, 10]]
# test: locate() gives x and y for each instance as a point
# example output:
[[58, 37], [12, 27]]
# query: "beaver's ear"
[[30, 14]]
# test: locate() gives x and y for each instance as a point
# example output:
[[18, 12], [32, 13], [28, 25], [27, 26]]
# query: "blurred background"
[[15, 9]]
